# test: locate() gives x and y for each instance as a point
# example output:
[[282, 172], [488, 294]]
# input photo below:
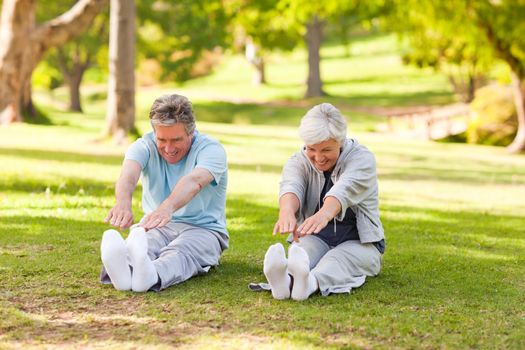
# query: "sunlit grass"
[[452, 275]]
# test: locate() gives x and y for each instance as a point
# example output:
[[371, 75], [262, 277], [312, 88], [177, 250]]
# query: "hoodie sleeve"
[[293, 179], [356, 183]]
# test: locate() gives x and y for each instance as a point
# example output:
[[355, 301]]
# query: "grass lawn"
[[452, 278]]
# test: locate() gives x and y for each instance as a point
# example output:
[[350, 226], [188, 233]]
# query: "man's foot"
[[275, 271], [304, 282], [113, 253], [144, 274]]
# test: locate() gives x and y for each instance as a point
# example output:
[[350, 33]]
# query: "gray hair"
[[321, 123], [170, 109]]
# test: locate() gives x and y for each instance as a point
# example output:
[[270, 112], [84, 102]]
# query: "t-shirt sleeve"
[[139, 152], [213, 158]]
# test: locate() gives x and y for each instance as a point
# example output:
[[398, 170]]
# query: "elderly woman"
[[328, 203]]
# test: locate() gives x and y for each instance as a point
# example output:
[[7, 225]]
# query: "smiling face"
[[324, 155], [173, 142]]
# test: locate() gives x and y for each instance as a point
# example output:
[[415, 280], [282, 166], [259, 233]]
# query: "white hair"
[[321, 123]]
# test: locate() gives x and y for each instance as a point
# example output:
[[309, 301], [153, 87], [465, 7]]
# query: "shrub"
[[494, 119]]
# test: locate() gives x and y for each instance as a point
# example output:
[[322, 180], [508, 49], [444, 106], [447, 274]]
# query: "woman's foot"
[[275, 271], [304, 282]]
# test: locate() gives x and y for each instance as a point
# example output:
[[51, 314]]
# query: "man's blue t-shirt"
[[207, 208]]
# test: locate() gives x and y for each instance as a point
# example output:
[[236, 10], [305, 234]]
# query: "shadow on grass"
[[391, 78], [440, 172], [37, 116], [257, 168], [391, 99], [68, 186], [247, 113], [61, 156], [429, 268]]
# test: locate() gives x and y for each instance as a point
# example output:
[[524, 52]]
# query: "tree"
[[70, 61], [23, 44], [312, 16], [120, 116], [463, 59], [78, 55], [501, 23], [487, 29], [262, 28]]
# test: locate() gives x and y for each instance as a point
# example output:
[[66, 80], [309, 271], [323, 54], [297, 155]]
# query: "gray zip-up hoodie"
[[355, 187]]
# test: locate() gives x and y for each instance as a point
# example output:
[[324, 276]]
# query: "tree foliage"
[[265, 24], [177, 33], [433, 43]]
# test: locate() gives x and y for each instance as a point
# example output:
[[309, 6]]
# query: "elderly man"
[[184, 178]]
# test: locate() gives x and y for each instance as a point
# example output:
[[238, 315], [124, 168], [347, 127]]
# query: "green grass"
[[452, 274]]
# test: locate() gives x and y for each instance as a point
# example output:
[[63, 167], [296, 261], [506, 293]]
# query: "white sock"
[[275, 271], [144, 274], [113, 253], [304, 282]]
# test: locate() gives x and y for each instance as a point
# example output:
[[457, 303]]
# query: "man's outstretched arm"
[[185, 189], [121, 214]]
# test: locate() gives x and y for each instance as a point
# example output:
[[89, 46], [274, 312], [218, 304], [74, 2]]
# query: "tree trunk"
[[16, 25], [253, 55], [471, 88], [259, 78], [73, 82], [314, 38], [26, 102], [22, 45], [518, 88], [120, 117], [72, 69]]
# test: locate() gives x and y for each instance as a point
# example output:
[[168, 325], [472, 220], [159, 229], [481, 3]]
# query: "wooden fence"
[[432, 124]]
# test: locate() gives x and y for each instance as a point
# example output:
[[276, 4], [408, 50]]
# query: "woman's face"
[[324, 155]]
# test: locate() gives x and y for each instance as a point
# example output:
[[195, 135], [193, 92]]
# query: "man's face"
[[172, 141], [324, 155]]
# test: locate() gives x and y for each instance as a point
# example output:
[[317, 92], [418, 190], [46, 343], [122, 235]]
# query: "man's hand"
[[314, 224], [120, 215], [158, 218]]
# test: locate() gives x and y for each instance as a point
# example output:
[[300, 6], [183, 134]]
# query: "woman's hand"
[[314, 224], [286, 224]]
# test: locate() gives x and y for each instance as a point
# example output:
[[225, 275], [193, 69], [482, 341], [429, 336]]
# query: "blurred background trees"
[[476, 44]]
